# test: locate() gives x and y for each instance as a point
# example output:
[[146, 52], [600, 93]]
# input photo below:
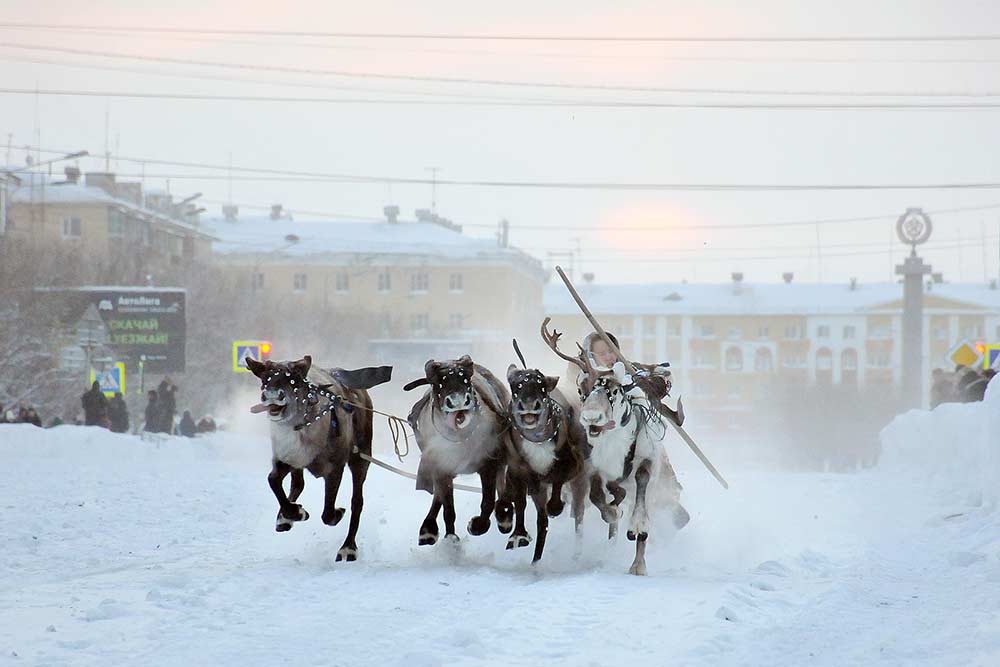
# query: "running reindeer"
[[321, 421], [546, 453], [624, 432], [461, 427]]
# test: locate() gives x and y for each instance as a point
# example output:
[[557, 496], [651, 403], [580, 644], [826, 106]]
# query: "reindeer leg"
[[639, 523], [429, 528], [578, 486], [555, 505], [448, 500], [505, 505], [288, 511], [331, 513], [478, 525], [298, 485], [359, 472], [519, 538], [617, 496], [600, 499], [542, 523]]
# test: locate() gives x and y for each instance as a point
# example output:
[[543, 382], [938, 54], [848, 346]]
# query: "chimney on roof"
[[588, 277], [737, 282], [276, 211], [787, 277], [937, 277], [230, 212], [102, 180], [854, 284], [391, 214], [131, 192], [72, 174]]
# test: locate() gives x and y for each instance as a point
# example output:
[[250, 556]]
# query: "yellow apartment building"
[[724, 341]]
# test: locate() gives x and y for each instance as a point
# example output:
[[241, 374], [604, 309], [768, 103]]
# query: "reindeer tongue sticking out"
[[458, 419]]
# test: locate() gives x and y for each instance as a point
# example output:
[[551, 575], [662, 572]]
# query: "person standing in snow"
[[95, 406], [168, 405], [152, 413], [187, 426], [118, 413]]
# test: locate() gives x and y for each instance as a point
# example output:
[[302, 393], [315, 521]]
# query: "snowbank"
[[953, 448]]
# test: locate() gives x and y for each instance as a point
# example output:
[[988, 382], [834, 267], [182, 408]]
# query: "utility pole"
[[434, 172]]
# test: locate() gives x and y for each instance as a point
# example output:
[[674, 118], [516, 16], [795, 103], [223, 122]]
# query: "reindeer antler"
[[552, 340]]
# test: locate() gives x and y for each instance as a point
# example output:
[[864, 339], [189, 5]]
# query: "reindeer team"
[[525, 438]]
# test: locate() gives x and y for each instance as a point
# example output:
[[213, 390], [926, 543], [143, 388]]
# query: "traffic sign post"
[[111, 380], [258, 350]]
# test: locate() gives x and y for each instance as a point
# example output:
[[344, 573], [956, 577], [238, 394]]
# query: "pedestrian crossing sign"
[[258, 350], [991, 357], [111, 380]]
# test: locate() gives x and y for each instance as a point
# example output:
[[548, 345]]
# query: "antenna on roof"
[[434, 172]]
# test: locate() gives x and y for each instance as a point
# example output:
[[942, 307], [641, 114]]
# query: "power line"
[[554, 104], [517, 37], [589, 185], [487, 82], [507, 53]]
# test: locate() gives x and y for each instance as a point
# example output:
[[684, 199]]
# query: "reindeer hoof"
[[350, 554], [610, 514], [504, 513], [518, 541], [632, 535], [478, 525], [282, 525], [427, 538], [452, 539], [638, 569], [295, 513], [334, 517], [555, 507]]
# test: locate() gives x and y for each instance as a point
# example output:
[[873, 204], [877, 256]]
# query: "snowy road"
[[124, 551]]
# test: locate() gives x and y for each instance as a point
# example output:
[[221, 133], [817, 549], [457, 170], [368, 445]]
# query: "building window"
[[455, 321], [419, 283], [824, 360], [623, 330], [116, 224], [763, 332], [71, 228], [762, 362], [420, 323], [384, 282], [706, 330], [673, 328], [734, 360], [849, 360], [257, 281], [455, 282], [941, 332], [823, 331], [849, 332], [649, 326], [972, 331], [299, 284], [342, 283], [792, 332], [735, 332]]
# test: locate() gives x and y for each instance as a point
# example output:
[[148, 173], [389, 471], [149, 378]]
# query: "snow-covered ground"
[[118, 550]]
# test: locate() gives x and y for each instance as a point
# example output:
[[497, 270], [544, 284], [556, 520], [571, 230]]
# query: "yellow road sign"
[[112, 380], [258, 350]]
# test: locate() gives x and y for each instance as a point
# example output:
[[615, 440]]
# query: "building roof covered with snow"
[[738, 298]]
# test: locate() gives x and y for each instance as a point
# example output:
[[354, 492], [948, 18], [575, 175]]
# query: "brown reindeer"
[[313, 429], [546, 453], [461, 426]]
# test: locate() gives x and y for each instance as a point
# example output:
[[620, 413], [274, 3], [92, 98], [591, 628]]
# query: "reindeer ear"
[[551, 382], [256, 367], [511, 370], [303, 365], [431, 369], [465, 362]]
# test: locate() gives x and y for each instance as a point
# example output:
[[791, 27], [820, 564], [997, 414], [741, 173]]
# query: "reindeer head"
[[283, 389], [607, 405], [451, 390], [530, 406]]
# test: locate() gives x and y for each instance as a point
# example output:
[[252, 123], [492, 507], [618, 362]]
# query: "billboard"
[[140, 324]]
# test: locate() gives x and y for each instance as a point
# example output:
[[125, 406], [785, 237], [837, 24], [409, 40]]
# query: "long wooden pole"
[[631, 369]]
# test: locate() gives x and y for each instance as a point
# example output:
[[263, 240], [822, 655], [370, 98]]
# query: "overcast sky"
[[723, 146]]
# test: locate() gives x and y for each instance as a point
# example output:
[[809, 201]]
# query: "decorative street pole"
[[913, 228]]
